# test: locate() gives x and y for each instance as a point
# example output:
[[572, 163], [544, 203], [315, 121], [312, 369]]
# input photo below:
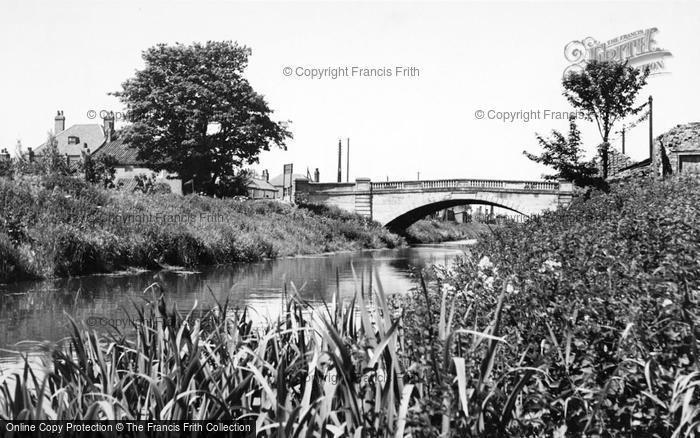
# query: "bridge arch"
[[404, 220]]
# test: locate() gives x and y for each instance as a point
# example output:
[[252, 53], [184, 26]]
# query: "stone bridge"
[[397, 204]]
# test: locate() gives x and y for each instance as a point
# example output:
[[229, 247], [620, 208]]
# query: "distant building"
[[128, 167], [73, 141], [278, 182], [677, 151], [96, 140], [260, 188], [681, 147]]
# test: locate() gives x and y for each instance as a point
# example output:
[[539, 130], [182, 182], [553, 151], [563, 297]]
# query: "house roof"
[[124, 154], [278, 181], [260, 184], [90, 134]]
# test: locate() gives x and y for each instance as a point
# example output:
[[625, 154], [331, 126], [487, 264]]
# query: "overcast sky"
[[470, 56]]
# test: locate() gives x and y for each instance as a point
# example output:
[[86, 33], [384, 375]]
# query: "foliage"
[[598, 316], [605, 91], [565, 156], [100, 170], [60, 225], [582, 322], [434, 231], [180, 94]]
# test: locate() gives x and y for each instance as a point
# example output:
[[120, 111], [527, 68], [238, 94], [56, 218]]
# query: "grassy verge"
[[434, 231], [583, 322], [60, 226]]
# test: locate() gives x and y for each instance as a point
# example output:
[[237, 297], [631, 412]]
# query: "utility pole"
[[347, 172], [340, 156], [651, 130], [623, 139], [418, 176]]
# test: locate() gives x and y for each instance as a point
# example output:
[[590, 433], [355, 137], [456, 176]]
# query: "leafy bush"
[[598, 316]]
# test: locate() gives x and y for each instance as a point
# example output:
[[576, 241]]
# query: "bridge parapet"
[[467, 184]]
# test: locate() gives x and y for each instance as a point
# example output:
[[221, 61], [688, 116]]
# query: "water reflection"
[[37, 310]]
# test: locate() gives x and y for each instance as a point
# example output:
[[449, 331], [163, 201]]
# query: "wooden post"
[[623, 139]]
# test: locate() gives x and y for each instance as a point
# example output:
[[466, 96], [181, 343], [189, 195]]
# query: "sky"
[[469, 56]]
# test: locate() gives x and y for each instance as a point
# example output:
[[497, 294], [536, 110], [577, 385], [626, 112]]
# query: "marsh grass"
[[334, 370]]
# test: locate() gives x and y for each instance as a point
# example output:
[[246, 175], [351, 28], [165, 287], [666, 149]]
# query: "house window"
[[689, 163], [73, 139]]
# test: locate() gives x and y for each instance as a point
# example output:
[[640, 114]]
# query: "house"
[[129, 166], [676, 151], [73, 141], [279, 183], [99, 140], [260, 188], [680, 149]]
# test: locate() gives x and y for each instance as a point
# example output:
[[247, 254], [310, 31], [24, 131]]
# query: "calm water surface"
[[37, 311]]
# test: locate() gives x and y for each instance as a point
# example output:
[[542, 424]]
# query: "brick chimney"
[[59, 123], [266, 175], [109, 126]]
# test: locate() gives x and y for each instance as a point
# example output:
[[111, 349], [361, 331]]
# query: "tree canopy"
[[565, 155], [605, 91], [181, 93]]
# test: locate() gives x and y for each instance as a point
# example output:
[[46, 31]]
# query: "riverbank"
[[579, 322], [435, 231], [60, 226]]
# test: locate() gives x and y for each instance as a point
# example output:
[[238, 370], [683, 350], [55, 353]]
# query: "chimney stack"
[[109, 126], [266, 175], [317, 175], [59, 123]]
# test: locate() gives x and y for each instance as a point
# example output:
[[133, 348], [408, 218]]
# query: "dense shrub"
[[599, 317]]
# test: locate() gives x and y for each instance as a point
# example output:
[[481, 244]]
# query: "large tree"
[[605, 92], [184, 91]]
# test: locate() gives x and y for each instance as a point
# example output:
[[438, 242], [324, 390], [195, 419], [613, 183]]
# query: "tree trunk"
[[604, 148]]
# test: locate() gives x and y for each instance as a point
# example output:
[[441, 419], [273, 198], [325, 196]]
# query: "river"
[[38, 310]]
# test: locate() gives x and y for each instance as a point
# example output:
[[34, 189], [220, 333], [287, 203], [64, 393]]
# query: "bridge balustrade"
[[465, 183]]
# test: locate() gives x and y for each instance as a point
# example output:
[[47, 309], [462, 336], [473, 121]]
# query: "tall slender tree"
[[605, 92]]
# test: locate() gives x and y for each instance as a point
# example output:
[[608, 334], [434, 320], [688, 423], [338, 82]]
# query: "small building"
[[260, 188], [129, 166], [681, 146]]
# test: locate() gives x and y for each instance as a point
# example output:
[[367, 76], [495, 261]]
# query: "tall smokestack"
[[59, 123], [347, 163], [340, 157]]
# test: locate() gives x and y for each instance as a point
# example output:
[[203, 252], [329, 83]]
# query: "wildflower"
[[549, 265], [666, 302], [485, 263], [488, 283]]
